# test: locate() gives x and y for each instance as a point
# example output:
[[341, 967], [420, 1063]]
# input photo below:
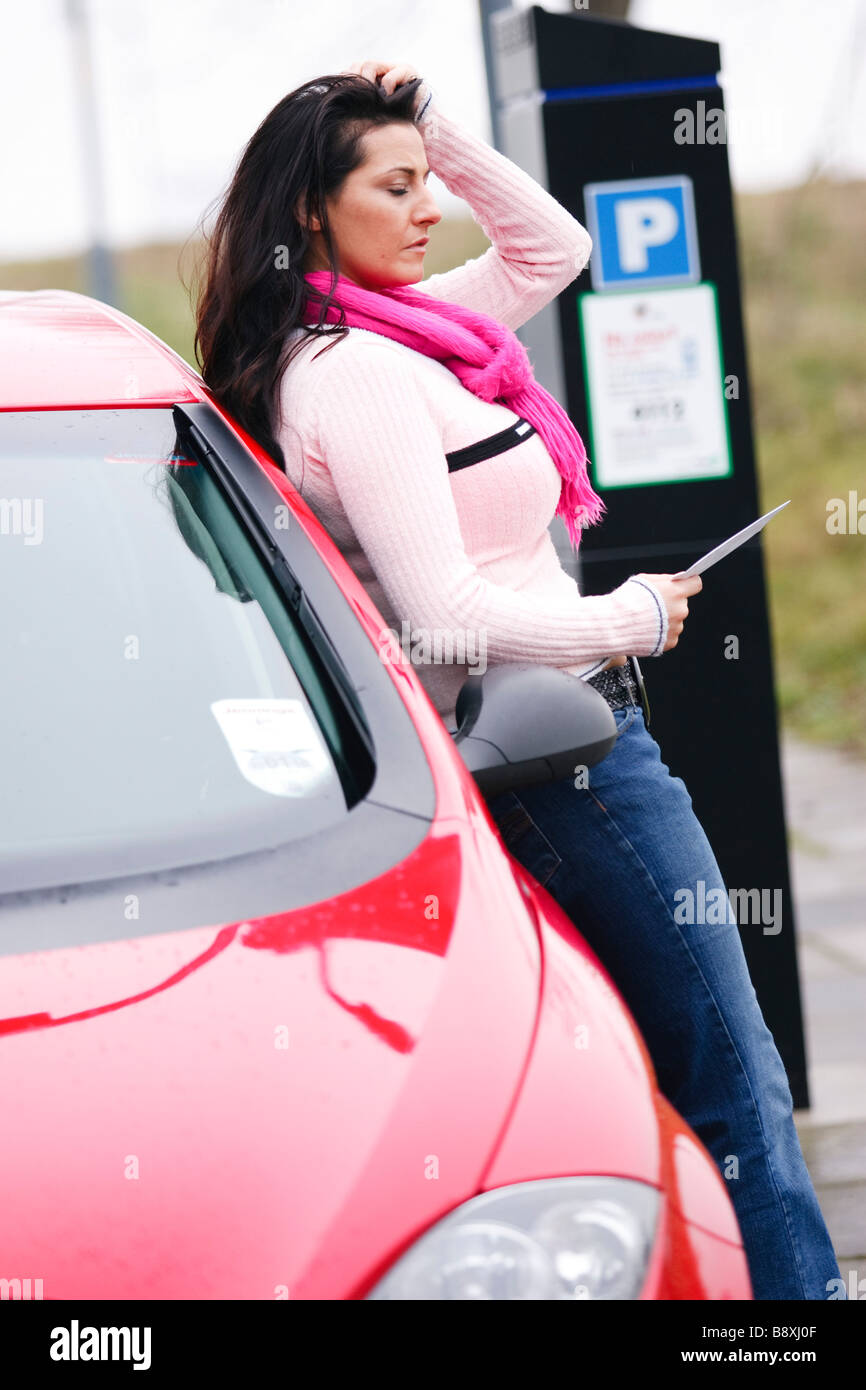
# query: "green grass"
[[804, 285]]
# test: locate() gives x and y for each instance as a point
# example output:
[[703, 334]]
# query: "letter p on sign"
[[640, 223], [643, 233]]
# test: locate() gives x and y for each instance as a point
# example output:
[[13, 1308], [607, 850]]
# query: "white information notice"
[[275, 744], [655, 386]]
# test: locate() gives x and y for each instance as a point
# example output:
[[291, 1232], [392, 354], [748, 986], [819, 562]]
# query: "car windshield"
[[160, 704]]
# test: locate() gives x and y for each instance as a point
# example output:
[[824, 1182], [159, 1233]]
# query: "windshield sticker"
[[148, 458], [275, 744]]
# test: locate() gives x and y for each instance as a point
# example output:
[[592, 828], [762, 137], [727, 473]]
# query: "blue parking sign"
[[643, 233]]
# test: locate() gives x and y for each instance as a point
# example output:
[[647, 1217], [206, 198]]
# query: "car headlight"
[[559, 1238]]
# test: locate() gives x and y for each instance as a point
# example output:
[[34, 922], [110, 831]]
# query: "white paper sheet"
[[719, 552]]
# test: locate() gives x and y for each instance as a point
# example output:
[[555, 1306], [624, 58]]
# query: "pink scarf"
[[489, 360]]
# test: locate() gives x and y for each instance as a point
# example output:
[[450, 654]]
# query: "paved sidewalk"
[[825, 803]]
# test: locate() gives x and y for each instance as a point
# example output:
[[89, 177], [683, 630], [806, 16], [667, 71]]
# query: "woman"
[[324, 224]]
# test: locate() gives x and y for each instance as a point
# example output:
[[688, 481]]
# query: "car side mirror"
[[520, 724]]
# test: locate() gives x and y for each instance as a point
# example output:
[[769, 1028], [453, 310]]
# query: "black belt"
[[621, 686], [494, 444]]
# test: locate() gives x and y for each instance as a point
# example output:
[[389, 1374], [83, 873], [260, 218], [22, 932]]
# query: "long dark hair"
[[250, 289]]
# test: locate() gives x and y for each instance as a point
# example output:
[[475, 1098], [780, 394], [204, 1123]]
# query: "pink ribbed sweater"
[[461, 564]]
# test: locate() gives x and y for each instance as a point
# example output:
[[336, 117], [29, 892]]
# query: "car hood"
[[191, 1114]]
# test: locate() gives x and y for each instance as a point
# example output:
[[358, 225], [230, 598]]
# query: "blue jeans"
[[614, 854]]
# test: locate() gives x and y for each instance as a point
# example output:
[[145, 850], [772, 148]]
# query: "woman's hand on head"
[[674, 594], [392, 75]]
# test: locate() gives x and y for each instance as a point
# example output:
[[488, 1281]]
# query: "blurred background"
[[124, 122]]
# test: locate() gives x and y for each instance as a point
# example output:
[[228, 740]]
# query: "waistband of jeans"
[[617, 685]]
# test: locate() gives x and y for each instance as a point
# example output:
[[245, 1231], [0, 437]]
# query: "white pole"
[[486, 9], [101, 278]]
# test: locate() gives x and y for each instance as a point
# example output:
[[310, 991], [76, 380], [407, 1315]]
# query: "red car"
[[281, 1018]]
